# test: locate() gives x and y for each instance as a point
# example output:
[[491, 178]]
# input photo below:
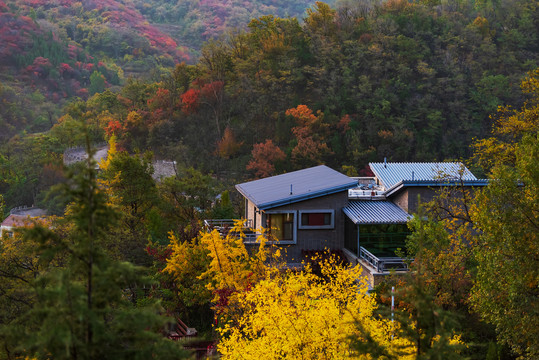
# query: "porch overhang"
[[375, 212]]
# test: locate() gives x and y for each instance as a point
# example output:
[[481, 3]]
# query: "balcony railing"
[[382, 264], [220, 223], [224, 226]]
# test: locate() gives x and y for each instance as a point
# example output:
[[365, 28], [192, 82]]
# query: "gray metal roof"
[[295, 186], [391, 174], [375, 212]]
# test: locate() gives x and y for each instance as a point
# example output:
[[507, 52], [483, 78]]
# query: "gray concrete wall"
[[407, 199]]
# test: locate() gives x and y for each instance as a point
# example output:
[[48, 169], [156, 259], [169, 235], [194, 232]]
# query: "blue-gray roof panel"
[[295, 186], [391, 174], [375, 212]]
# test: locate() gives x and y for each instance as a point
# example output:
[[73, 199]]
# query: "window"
[[282, 226], [317, 219]]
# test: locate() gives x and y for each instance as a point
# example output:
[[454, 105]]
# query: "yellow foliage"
[[268, 312], [105, 162], [134, 119], [296, 314], [510, 126], [104, 118], [232, 268], [188, 260], [113, 199]]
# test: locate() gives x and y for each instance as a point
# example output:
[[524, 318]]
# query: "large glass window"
[[317, 219], [381, 240], [282, 226]]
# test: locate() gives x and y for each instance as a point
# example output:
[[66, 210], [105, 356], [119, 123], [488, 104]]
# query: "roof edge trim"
[[302, 197], [442, 182]]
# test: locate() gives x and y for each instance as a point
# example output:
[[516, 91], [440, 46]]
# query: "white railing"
[[19, 209]]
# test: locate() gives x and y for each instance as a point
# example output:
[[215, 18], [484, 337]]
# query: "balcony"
[[382, 264], [225, 227], [367, 189], [377, 251]]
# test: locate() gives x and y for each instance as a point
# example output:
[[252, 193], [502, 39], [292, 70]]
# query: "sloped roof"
[[16, 221], [295, 186], [375, 212], [390, 174]]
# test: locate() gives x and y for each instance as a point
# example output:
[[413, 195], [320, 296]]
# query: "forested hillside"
[[346, 86], [342, 86], [54, 51], [295, 84]]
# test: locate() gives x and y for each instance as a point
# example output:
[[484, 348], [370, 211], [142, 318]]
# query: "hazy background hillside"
[[52, 51]]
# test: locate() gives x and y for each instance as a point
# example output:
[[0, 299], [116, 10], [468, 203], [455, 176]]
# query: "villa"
[[320, 208]]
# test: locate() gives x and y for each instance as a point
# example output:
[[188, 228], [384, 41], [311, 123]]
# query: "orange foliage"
[[310, 135], [385, 134], [228, 146], [344, 124], [190, 101], [264, 157], [302, 114], [309, 150], [396, 5], [113, 127]]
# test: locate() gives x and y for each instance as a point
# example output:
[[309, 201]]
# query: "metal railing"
[[221, 223], [19, 209], [224, 226], [383, 264]]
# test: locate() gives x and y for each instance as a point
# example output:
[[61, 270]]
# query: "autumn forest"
[[223, 92]]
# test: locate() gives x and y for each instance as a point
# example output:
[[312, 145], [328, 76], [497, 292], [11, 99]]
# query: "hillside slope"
[[52, 51]]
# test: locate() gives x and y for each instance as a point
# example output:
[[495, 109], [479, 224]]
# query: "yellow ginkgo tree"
[[268, 311], [231, 269], [301, 315]]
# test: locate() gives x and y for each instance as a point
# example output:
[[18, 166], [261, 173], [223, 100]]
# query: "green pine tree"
[[90, 307]]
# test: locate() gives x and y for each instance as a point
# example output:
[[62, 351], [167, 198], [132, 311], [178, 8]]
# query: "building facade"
[[319, 208]]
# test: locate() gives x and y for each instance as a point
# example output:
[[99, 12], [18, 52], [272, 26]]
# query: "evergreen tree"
[[90, 307]]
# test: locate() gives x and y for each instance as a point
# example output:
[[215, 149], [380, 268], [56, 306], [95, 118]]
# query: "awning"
[[375, 212]]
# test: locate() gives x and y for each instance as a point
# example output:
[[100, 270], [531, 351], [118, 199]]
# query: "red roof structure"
[[16, 221], [21, 217]]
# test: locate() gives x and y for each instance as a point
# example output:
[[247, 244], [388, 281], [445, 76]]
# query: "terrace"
[[374, 232]]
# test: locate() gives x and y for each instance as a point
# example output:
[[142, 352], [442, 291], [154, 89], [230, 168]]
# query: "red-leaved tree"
[[265, 155], [310, 134]]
